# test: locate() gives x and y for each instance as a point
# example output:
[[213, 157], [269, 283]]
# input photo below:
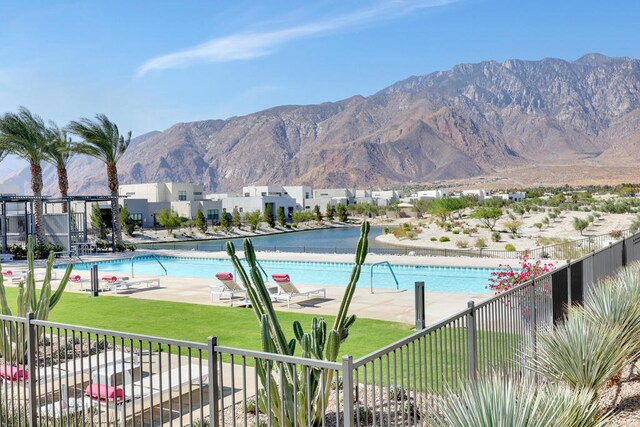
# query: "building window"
[[240, 210], [263, 193], [306, 195], [197, 193], [136, 217], [182, 195], [213, 214], [247, 195]]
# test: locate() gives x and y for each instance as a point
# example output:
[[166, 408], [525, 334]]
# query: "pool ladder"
[[147, 256], [390, 269]]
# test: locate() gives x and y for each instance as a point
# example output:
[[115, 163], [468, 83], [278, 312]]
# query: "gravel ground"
[[623, 400]]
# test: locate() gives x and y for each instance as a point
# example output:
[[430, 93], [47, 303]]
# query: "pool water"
[[439, 279]]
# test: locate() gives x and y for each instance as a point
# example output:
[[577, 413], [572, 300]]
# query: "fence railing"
[[56, 374], [564, 250]]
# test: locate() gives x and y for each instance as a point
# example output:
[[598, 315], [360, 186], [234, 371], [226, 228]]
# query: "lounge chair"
[[126, 283], [288, 291], [77, 279], [229, 288], [148, 392], [14, 275]]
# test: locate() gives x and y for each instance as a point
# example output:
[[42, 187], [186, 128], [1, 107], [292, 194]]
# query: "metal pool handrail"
[[390, 269], [149, 256]]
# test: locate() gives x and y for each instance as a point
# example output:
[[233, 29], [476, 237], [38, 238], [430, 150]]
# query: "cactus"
[[281, 380], [11, 336]]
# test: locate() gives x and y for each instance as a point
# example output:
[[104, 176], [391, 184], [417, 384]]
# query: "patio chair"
[[14, 275], [288, 291], [229, 288], [126, 283]]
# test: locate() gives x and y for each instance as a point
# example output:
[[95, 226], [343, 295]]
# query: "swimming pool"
[[440, 279]]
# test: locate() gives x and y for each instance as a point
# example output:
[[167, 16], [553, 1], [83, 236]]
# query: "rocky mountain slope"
[[475, 119]]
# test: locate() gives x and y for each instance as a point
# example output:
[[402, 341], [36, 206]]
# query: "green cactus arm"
[[57, 295], [253, 297], [4, 305]]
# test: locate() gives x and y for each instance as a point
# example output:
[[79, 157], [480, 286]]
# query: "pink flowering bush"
[[503, 280]]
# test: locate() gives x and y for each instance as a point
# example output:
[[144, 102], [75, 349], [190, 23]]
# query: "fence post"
[[32, 349], [471, 341], [568, 283], [624, 252], [420, 313], [347, 390], [532, 302], [213, 382]]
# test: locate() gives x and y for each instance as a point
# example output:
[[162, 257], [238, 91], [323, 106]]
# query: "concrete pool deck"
[[383, 304]]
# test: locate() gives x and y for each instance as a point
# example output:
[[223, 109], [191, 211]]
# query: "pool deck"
[[383, 304]]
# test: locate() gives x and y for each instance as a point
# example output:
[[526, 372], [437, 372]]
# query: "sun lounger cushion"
[[109, 278], [104, 392], [13, 373], [224, 276], [281, 277], [7, 272], [75, 278]]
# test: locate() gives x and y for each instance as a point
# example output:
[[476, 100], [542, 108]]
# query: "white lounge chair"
[[126, 283], [288, 291], [157, 388], [228, 288]]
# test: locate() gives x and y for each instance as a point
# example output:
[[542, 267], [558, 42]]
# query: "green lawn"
[[233, 326]]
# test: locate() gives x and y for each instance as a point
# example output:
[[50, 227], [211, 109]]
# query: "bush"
[[495, 236], [462, 244], [509, 247], [445, 239], [433, 239], [456, 231], [480, 243]]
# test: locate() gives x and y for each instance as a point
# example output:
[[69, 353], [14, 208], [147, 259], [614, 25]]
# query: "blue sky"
[[150, 64]]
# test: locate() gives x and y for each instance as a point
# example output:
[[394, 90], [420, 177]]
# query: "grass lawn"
[[233, 326]]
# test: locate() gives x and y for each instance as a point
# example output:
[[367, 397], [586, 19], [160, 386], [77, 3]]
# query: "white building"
[[300, 193], [431, 194], [259, 203], [479, 194], [146, 200], [517, 196]]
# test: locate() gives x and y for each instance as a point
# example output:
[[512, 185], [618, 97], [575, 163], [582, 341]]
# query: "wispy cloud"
[[250, 45]]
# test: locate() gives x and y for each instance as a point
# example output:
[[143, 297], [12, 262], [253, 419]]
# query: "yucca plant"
[[11, 336], [580, 352], [616, 301], [497, 401], [296, 397]]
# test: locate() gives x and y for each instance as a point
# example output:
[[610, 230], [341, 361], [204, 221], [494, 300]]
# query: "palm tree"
[[25, 135], [103, 141], [59, 154]]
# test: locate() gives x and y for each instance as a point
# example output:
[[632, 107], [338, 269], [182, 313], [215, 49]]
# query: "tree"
[[580, 224], [58, 153], [168, 219], [125, 220], [317, 214], [201, 221], [488, 215], [420, 207], [281, 217], [25, 135], [440, 208], [102, 140], [341, 211], [97, 223], [253, 218], [268, 216], [329, 212], [236, 219], [298, 217], [224, 220], [513, 225]]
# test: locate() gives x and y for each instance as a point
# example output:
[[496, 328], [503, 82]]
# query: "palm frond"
[[101, 139], [25, 135]]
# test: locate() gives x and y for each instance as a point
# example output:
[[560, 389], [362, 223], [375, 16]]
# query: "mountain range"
[[472, 120]]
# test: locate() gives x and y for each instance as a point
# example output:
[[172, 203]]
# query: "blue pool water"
[[440, 279]]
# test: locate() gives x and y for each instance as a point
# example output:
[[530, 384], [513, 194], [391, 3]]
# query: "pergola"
[[28, 213]]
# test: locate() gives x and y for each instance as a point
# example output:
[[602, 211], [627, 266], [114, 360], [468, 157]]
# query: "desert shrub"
[[509, 247], [456, 231], [480, 243], [444, 239], [433, 239], [462, 243], [495, 236]]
